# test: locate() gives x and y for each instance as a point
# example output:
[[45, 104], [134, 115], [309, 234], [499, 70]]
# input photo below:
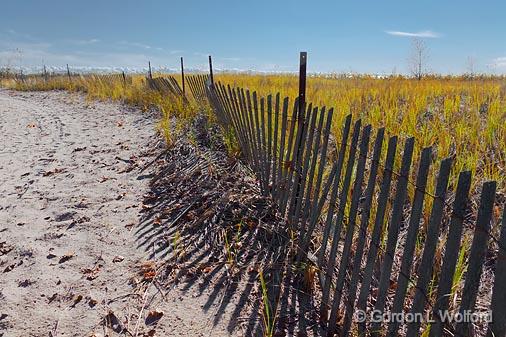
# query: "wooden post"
[[45, 73], [68, 72], [124, 78], [150, 74], [302, 84], [182, 74], [211, 69], [300, 116]]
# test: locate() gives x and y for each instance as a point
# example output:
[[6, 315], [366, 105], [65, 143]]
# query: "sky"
[[339, 36]]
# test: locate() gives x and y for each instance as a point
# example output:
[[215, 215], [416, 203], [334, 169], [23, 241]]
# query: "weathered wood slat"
[[275, 150], [279, 170], [424, 271], [311, 175], [409, 248], [350, 229], [299, 154], [336, 168], [343, 198], [364, 222], [269, 141], [498, 308], [305, 166], [452, 248], [288, 163], [378, 223], [477, 255]]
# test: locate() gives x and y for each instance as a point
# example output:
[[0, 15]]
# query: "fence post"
[[211, 69], [124, 78], [68, 72], [300, 116], [150, 73], [45, 73], [182, 74]]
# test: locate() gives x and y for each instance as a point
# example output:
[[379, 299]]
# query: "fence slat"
[[409, 247], [477, 255], [336, 167], [424, 271], [451, 252], [284, 122], [364, 222], [498, 325], [239, 116], [350, 230], [265, 158], [251, 122], [269, 140], [288, 163], [275, 151], [300, 184], [294, 166], [240, 107], [312, 169], [374, 246], [343, 197], [259, 147], [305, 166]]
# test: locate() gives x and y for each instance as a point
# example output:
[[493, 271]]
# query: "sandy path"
[[65, 200], [70, 203]]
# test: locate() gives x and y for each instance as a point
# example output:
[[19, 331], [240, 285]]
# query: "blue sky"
[[358, 36]]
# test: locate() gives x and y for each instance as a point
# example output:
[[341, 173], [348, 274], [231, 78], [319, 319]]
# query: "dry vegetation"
[[460, 116]]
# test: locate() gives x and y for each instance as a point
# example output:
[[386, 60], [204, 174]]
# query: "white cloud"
[[135, 44], [231, 59], [85, 42], [423, 33]]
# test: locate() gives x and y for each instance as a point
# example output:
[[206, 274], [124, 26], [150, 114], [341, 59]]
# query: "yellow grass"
[[465, 117], [461, 116]]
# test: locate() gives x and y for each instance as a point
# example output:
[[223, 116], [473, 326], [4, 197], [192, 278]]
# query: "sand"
[[70, 196]]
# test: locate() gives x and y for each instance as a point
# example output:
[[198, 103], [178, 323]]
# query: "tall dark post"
[[300, 120], [68, 72], [182, 74], [302, 84], [124, 78], [150, 73], [211, 69]]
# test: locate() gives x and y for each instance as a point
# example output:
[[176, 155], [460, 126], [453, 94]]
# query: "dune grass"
[[464, 117]]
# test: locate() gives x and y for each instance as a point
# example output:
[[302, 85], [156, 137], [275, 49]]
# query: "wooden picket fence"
[[341, 205]]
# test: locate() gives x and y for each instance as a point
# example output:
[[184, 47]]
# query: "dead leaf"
[[55, 171], [5, 248], [91, 273], [148, 271], [9, 268], [118, 258], [66, 257], [52, 298], [111, 321], [157, 221], [92, 302], [77, 299], [153, 317]]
